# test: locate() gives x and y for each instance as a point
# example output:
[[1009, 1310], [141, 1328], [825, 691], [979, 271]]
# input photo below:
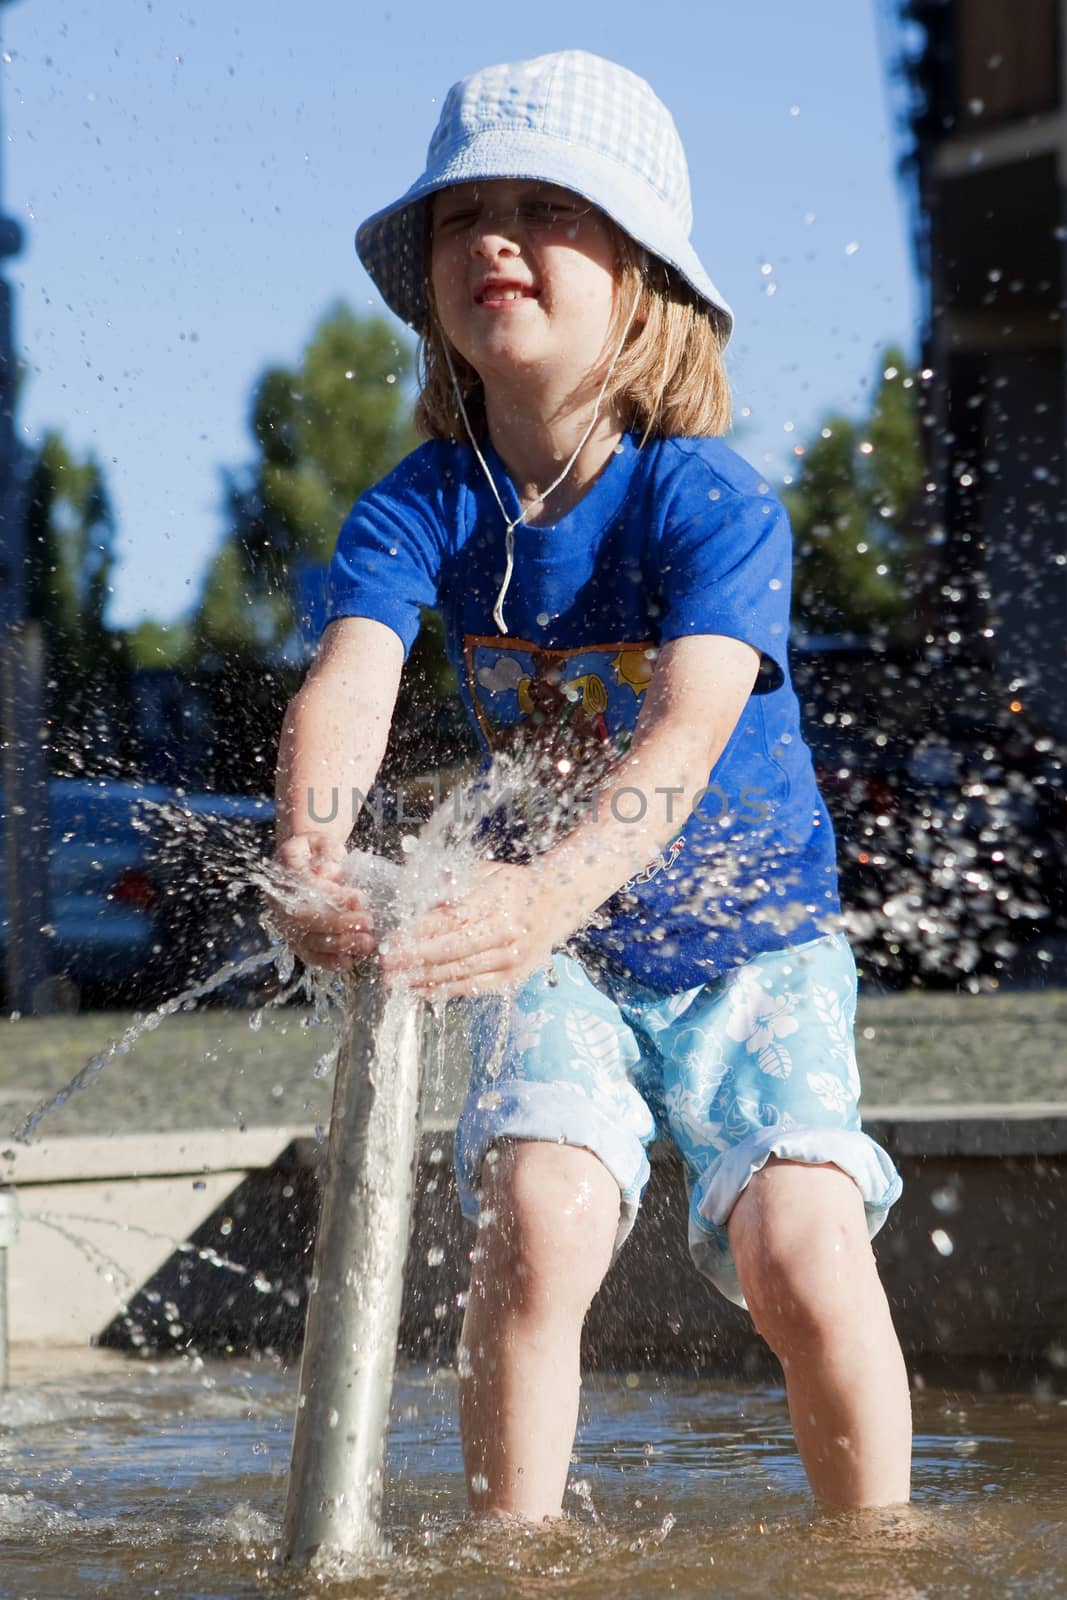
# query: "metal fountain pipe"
[[346, 1375]]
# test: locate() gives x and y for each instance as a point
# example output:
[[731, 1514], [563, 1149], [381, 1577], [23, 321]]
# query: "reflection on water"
[[128, 1479]]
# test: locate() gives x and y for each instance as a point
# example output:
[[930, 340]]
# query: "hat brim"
[[392, 243]]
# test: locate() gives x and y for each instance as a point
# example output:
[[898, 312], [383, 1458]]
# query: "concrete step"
[[203, 1240]]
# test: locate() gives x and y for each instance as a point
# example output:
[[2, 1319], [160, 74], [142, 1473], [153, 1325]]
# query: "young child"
[[614, 582]]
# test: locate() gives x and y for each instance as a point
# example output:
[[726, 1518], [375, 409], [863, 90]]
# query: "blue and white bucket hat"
[[572, 119]]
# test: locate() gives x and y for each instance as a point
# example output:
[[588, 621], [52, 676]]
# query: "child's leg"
[[550, 1214], [799, 1240]]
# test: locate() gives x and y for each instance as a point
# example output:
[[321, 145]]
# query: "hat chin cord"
[[511, 523]]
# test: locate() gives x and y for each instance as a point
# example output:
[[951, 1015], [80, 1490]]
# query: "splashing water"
[[138, 1028], [436, 864], [88, 1439]]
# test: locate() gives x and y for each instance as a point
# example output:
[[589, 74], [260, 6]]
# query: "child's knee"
[[800, 1243], [547, 1226]]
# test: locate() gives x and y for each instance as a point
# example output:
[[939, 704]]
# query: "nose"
[[492, 238]]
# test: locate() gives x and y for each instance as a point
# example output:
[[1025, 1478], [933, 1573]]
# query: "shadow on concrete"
[[972, 1260]]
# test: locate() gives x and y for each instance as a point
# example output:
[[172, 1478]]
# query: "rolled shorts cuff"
[[554, 1114], [716, 1191]]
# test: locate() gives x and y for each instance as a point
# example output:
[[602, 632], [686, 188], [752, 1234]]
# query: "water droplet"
[[946, 1199], [852, 247], [941, 1242], [332, 1417], [543, 619]]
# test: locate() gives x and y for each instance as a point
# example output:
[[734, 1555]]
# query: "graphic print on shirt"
[[569, 713], [565, 703]]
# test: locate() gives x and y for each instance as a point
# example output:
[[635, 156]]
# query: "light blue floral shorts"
[[759, 1062]]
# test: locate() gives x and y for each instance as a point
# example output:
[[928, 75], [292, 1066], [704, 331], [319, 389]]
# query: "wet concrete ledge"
[[973, 1260]]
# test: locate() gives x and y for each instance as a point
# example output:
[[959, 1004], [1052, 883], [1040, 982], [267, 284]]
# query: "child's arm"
[[507, 924], [333, 740]]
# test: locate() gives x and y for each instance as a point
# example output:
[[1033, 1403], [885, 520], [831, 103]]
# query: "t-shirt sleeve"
[[725, 567], [388, 558]]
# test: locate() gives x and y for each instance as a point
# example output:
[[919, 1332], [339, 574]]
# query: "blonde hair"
[[670, 379]]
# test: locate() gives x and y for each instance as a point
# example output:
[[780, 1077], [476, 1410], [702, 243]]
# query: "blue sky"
[[189, 177]]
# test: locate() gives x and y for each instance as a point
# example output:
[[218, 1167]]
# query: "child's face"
[[524, 281]]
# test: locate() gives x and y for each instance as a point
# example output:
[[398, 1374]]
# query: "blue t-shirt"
[[676, 537]]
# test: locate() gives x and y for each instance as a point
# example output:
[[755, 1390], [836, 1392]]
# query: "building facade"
[[986, 130]]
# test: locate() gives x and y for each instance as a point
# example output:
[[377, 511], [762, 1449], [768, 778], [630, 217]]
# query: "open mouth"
[[493, 294]]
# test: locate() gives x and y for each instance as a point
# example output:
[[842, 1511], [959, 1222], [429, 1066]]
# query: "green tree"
[[324, 432], [71, 553], [852, 506], [894, 467], [70, 545], [153, 644]]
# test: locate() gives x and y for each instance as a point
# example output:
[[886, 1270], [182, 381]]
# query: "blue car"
[[138, 875]]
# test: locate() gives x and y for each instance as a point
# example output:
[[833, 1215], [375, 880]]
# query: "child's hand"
[[502, 927], [332, 927]]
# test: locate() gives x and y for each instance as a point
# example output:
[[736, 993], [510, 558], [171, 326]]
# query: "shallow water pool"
[[126, 1478]]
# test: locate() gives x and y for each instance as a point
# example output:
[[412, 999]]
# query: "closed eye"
[[550, 213], [454, 221], [532, 213]]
